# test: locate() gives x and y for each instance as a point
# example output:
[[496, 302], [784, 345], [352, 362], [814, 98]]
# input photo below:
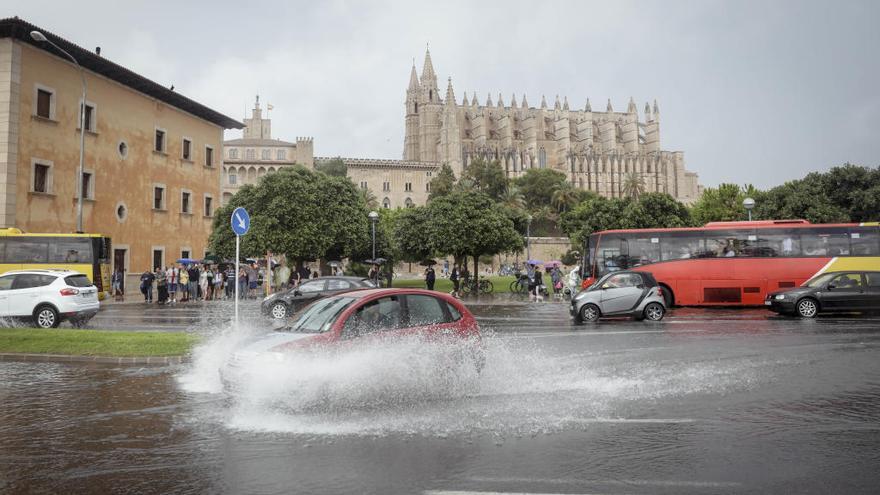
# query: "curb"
[[67, 358]]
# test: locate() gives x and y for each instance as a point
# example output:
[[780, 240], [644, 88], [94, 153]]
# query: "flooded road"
[[706, 401]]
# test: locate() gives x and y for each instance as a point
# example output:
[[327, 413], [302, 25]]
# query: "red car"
[[347, 318]]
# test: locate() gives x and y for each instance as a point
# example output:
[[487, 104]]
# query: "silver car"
[[621, 293]]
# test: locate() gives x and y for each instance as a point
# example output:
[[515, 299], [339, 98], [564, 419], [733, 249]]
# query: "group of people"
[[183, 283]]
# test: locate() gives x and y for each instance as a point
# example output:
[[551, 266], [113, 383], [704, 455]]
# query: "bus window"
[[643, 250], [773, 243], [590, 254], [26, 250], [681, 247], [825, 242], [730, 243], [611, 255], [70, 250], [865, 241]]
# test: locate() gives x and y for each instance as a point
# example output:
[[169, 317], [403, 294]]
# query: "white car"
[[48, 297]]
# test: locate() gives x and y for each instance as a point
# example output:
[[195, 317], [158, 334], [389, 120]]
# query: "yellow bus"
[[88, 254]]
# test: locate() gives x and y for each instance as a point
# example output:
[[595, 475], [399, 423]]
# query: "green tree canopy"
[[300, 213], [537, 186], [804, 198], [722, 204], [487, 176], [443, 183], [651, 210], [335, 167]]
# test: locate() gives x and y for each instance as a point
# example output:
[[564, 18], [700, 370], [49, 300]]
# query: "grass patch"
[[499, 284], [95, 342]]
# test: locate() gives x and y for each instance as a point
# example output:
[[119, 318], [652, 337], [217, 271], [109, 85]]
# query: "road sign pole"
[[237, 245]]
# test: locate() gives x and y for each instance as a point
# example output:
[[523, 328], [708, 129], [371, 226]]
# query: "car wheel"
[[46, 317], [589, 313], [279, 310], [807, 308], [654, 311]]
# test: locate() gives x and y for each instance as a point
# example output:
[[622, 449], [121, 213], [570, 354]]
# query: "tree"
[[565, 197], [335, 167], [656, 210], [852, 188], [633, 186], [369, 198], [513, 198], [411, 235], [443, 183], [487, 177], [295, 211], [806, 199], [722, 204], [537, 186], [593, 216]]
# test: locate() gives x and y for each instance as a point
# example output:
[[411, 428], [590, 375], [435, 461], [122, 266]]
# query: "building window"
[[386, 186], [158, 197], [233, 154], [184, 253], [122, 149], [209, 156], [121, 212], [266, 154], [42, 173], [428, 187], [233, 179], [429, 174], [250, 154], [209, 206], [407, 187], [363, 184], [158, 257], [281, 155], [386, 203], [185, 204], [542, 158], [88, 185], [45, 103], [409, 203], [186, 149], [160, 141], [90, 116]]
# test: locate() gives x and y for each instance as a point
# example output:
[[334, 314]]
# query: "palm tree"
[[633, 186], [564, 197], [370, 199], [513, 198]]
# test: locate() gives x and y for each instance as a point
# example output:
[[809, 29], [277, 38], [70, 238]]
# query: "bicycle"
[[520, 285], [485, 286]]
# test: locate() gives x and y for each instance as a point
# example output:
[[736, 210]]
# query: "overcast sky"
[[752, 92]]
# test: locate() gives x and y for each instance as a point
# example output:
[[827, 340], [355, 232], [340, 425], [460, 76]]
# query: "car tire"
[[279, 311], [807, 308], [668, 297], [46, 316], [654, 311], [589, 313]]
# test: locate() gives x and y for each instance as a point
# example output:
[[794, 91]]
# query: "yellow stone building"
[[152, 156]]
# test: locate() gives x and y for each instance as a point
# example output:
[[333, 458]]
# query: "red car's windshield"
[[319, 317]]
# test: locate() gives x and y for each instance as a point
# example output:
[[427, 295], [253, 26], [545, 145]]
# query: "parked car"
[[362, 315], [620, 293], [285, 303], [829, 292], [48, 297]]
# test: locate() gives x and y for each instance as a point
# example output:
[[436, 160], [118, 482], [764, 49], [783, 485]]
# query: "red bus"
[[733, 263]]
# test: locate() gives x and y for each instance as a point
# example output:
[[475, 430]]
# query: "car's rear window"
[[78, 281]]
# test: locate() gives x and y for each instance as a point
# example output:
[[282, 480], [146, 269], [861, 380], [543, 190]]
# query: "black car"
[[287, 302], [850, 291]]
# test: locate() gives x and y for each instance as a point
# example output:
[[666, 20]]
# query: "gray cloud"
[[758, 92]]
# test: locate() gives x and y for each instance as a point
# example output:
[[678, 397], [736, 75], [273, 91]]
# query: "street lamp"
[[374, 217], [40, 37], [748, 204], [528, 238]]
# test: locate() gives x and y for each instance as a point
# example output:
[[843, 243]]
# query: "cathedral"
[[597, 151]]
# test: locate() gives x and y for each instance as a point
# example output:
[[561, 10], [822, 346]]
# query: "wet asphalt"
[[706, 401]]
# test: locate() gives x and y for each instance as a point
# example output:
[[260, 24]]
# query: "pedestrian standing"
[[171, 279], [373, 274], [209, 274], [116, 283], [230, 280], [184, 284], [161, 286], [203, 283], [242, 282], [218, 284], [193, 272], [556, 280], [252, 280], [147, 285], [453, 277], [389, 276], [430, 277]]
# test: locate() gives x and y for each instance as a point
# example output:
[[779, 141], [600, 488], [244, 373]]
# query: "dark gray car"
[[855, 291], [620, 293], [285, 303]]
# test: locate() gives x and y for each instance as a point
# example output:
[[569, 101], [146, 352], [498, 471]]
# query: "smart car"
[[853, 291], [47, 297], [620, 293], [287, 302], [362, 315]]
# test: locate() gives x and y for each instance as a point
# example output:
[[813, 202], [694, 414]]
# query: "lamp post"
[[40, 37], [528, 238], [374, 217], [748, 204]]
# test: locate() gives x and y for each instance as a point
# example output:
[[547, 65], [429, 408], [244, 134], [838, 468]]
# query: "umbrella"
[[428, 263], [210, 259], [553, 263], [335, 263], [187, 261], [377, 261], [535, 262]]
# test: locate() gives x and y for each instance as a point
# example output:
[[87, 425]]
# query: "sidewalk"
[[67, 358]]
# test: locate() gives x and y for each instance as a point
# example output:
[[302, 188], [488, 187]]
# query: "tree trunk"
[[477, 274]]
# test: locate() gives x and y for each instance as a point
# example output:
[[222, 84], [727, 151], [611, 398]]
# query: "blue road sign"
[[241, 221]]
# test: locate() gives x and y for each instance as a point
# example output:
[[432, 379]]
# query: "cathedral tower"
[[411, 138], [430, 109]]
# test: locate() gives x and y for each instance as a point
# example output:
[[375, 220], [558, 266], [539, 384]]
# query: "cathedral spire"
[[500, 101], [413, 78], [631, 108], [464, 100], [656, 110], [588, 107], [474, 100], [565, 103], [524, 103], [489, 100], [513, 100], [450, 95], [556, 105], [428, 67], [543, 102], [647, 112], [609, 108]]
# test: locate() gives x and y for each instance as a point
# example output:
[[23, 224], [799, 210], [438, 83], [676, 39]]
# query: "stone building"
[[596, 150], [254, 155], [152, 164]]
